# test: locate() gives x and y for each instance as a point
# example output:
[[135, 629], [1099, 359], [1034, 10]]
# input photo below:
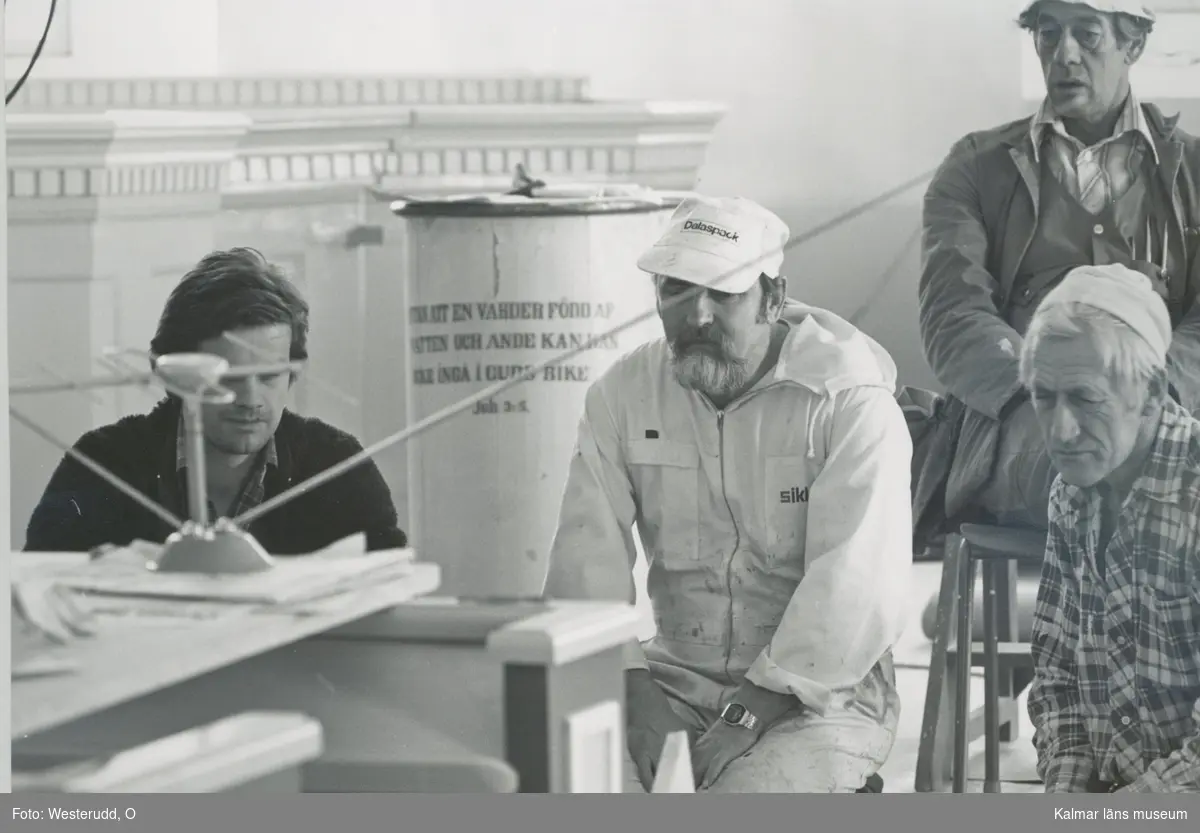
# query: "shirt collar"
[[1169, 456], [272, 456], [1133, 119], [1162, 478]]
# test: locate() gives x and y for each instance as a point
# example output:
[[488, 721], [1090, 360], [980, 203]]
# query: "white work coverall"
[[778, 538]]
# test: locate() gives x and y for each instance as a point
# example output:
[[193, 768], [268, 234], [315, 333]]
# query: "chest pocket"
[[1168, 622], [1171, 640], [788, 480], [666, 476]]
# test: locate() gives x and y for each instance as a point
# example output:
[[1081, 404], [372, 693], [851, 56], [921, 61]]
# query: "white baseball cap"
[[719, 242], [1134, 8]]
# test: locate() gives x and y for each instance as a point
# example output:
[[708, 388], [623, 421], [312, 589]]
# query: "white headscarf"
[[1121, 292]]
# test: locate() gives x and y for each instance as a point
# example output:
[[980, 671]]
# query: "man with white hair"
[[1115, 701], [760, 451], [1094, 177]]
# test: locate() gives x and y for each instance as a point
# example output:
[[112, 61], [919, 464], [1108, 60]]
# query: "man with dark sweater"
[[236, 305]]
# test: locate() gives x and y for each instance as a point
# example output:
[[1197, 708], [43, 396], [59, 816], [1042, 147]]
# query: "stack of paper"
[[123, 572], [291, 579], [44, 617], [59, 598]]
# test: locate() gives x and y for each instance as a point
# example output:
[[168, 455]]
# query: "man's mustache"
[[710, 338]]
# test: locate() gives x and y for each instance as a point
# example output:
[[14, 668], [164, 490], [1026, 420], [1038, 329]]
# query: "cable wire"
[[885, 278], [37, 53]]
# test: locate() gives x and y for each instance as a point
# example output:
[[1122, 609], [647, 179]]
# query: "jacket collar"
[[1162, 478], [1133, 119], [1167, 147], [1161, 129]]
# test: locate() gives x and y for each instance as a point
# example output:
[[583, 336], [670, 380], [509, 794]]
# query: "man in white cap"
[[1115, 701], [762, 456], [1094, 177]]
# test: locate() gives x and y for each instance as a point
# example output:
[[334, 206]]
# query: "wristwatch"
[[735, 714]]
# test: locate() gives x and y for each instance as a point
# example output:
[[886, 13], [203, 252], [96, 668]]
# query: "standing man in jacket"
[[762, 456], [1094, 177]]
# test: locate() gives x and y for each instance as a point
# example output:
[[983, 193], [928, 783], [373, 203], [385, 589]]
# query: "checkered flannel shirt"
[[1117, 686]]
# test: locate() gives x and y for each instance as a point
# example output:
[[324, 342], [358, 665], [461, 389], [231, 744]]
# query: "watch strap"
[[747, 720]]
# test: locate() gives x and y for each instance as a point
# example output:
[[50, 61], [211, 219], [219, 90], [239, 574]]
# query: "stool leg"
[[991, 681], [937, 724], [962, 668], [1007, 615]]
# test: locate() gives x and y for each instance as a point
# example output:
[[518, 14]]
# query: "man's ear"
[[1157, 391], [776, 298], [1134, 51], [658, 281]]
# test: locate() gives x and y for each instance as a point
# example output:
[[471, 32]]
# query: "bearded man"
[[761, 453]]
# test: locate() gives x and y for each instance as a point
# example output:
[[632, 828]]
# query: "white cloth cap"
[[1130, 7], [719, 242], [1121, 292]]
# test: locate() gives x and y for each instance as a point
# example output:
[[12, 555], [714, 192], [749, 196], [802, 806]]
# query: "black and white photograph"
[[648, 396]]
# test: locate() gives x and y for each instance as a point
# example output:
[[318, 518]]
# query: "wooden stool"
[[998, 549], [1006, 662]]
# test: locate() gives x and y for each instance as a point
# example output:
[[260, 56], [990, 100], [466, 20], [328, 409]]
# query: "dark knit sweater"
[[80, 511]]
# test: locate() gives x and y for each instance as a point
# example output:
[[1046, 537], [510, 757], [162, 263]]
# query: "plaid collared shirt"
[[1117, 687], [1097, 175], [253, 488]]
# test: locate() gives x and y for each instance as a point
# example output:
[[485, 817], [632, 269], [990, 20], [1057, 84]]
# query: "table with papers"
[[413, 692]]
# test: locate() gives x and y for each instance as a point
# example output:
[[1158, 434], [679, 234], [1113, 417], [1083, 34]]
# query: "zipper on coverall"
[[737, 541]]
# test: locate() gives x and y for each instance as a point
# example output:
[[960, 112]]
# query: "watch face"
[[734, 713]]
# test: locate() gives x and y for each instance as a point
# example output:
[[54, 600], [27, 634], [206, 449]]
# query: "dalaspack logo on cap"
[[701, 227]]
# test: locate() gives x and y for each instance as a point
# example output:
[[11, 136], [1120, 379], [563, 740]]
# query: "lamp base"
[[222, 549]]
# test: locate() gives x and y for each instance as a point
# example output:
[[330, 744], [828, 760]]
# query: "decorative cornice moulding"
[[270, 93], [131, 131], [73, 165], [576, 114], [441, 149], [286, 156]]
